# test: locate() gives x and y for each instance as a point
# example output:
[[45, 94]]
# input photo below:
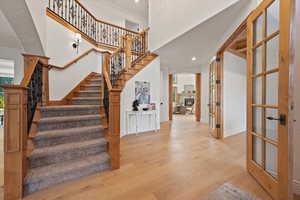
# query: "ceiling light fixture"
[[194, 58], [136, 1]]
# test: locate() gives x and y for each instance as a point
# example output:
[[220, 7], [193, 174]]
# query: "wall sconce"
[[76, 42]]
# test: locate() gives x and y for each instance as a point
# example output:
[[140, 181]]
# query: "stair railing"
[[21, 102], [114, 66], [73, 15]]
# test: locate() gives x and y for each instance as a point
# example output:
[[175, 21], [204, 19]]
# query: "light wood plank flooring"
[[180, 162]]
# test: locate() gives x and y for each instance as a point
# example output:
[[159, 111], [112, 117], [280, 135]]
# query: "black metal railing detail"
[[35, 92], [106, 100], [80, 18], [117, 65]]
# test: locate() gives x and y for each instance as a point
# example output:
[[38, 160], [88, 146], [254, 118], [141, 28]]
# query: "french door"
[[269, 137], [214, 100]]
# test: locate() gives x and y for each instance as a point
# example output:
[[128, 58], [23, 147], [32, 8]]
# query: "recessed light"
[[194, 58], [136, 1]]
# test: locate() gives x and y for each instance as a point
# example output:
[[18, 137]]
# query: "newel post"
[[28, 59], [114, 127], [128, 51], [15, 140]]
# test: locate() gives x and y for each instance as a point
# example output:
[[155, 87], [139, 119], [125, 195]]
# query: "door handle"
[[281, 119]]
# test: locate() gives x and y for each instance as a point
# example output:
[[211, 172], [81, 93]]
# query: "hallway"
[[182, 161]]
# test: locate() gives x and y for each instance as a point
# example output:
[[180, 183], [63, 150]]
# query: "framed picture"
[[142, 92]]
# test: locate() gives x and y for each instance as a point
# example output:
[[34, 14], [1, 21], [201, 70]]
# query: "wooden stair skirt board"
[[68, 141]]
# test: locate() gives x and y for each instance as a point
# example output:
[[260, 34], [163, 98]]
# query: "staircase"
[[135, 68], [69, 141]]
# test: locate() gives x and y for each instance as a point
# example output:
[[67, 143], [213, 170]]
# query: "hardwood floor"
[[181, 162]]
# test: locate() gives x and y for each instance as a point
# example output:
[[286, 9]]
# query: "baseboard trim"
[[297, 187]]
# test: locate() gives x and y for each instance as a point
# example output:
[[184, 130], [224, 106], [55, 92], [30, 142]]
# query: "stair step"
[[89, 93], [95, 81], [69, 110], [65, 152], [64, 136], [45, 177], [91, 87], [55, 123], [87, 101], [97, 76]]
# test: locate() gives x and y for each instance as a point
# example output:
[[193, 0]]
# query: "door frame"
[[219, 96], [220, 72], [198, 96]]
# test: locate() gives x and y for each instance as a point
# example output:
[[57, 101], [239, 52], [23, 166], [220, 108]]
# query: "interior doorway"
[[185, 95]]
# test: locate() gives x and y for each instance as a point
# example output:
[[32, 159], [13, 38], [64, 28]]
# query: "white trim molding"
[[297, 187]]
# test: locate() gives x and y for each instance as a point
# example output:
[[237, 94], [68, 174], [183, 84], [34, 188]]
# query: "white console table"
[[139, 116]]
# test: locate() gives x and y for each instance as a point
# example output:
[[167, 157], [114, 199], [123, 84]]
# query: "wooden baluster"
[[114, 127], [15, 141]]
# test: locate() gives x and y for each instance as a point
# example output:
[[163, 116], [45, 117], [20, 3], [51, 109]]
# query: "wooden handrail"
[[120, 49], [77, 59], [104, 22], [28, 74], [107, 80]]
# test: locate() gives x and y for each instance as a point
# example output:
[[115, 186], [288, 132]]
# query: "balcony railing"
[[75, 14]]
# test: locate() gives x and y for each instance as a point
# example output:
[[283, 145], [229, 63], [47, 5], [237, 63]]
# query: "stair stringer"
[[135, 69]]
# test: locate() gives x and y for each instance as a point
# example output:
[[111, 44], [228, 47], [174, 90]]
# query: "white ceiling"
[[8, 37], [202, 42]]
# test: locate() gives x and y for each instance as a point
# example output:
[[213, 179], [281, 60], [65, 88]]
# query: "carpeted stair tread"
[[41, 157], [69, 118], [90, 91], [70, 110], [86, 98], [63, 136], [45, 177], [93, 85], [87, 101], [43, 172], [69, 107], [96, 80], [67, 147], [66, 132]]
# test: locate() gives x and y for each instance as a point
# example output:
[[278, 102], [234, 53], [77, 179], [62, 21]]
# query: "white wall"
[[61, 82], [59, 44], [16, 56], [114, 14], [149, 74], [234, 94], [37, 10], [164, 96], [205, 95], [170, 19], [60, 50]]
